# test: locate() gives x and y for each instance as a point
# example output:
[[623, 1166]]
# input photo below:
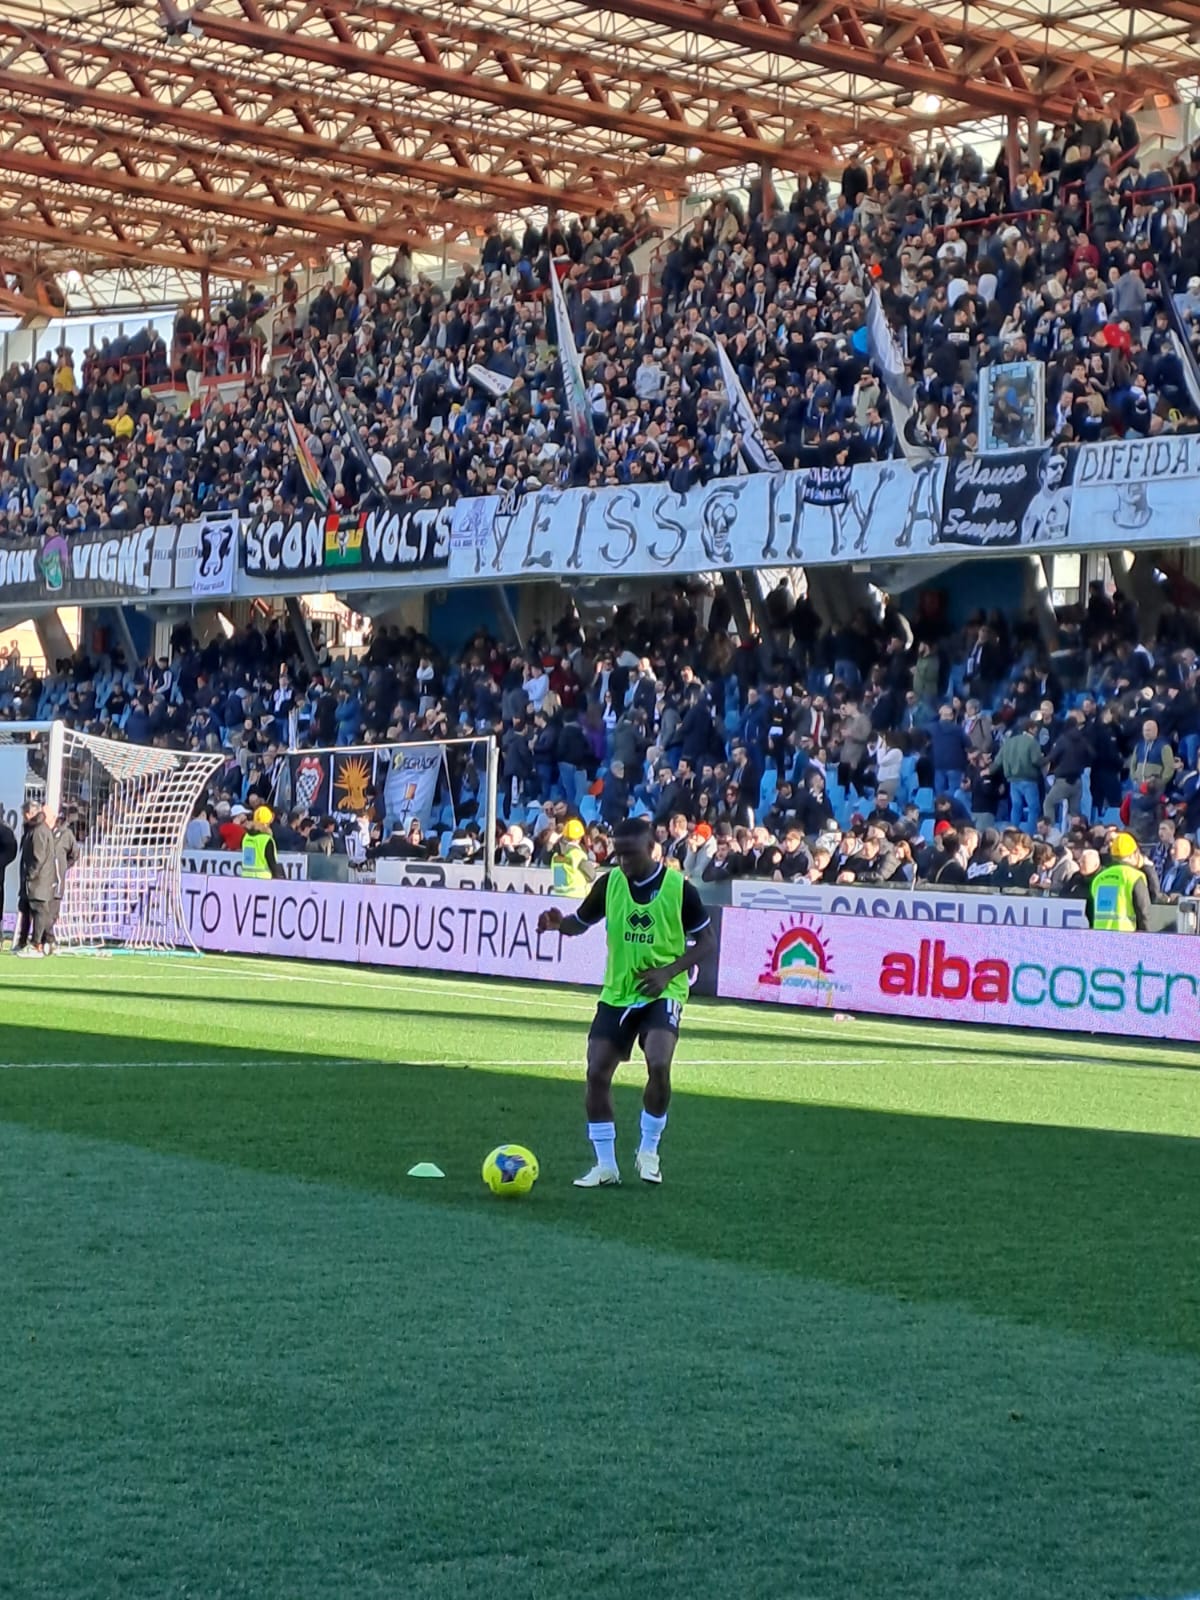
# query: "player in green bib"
[[650, 914]]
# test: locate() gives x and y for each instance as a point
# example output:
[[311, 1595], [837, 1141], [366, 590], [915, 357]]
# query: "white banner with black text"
[[1118, 494]]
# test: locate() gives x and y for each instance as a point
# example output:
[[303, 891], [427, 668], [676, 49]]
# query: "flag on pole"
[[305, 460], [1180, 342], [757, 454], [347, 432], [889, 363], [574, 387]]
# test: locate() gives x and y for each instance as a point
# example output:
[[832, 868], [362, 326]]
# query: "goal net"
[[128, 806]]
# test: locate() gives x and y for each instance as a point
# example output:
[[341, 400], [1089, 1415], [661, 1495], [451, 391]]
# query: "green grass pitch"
[[915, 1314]]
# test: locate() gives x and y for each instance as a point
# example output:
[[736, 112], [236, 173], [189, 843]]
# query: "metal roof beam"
[[306, 145], [583, 112], [722, 20]]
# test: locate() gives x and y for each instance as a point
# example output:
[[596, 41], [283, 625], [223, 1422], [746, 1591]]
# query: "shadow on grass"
[[797, 1026], [1074, 1229]]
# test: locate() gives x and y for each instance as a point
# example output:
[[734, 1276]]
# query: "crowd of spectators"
[[892, 750], [457, 390]]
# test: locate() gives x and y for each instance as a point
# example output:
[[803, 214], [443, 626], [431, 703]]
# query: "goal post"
[[129, 806]]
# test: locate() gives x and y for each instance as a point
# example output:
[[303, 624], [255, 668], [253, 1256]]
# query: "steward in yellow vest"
[[573, 872], [260, 859], [1118, 897]]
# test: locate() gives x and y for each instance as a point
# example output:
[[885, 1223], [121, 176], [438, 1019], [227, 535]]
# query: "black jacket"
[[38, 875], [8, 847]]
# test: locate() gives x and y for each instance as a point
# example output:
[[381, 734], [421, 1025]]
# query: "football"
[[510, 1169]]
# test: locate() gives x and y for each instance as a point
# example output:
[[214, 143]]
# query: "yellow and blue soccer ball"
[[510, 1169]]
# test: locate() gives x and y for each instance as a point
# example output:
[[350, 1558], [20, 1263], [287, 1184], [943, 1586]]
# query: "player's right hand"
[[550, 920]]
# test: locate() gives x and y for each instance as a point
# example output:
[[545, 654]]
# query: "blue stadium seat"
[[925, 801], [589, 808], [908, 779], [768, 789]]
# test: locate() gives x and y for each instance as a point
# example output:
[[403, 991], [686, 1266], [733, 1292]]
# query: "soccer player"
[[650, 913]]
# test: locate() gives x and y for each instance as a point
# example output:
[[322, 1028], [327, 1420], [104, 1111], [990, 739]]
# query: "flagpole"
[[492, 799]]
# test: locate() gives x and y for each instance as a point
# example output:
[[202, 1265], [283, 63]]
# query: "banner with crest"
[[398, 783]]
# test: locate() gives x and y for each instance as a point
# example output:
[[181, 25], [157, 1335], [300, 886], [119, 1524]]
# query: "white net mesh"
[[128, 805]]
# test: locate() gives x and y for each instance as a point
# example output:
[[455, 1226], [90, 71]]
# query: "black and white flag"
[[757, 454]]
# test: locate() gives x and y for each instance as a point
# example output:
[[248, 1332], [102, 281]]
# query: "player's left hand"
[[653, 982]]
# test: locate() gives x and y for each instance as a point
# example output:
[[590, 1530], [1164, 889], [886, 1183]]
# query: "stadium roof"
[[244, 134]]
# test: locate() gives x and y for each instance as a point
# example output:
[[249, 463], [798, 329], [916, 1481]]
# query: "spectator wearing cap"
[[950, 864], [1119, 897], [230, 825], [701, 847], [571, 870]]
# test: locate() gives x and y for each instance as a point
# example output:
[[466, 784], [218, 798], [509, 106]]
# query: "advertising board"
[[926, 904], [443, 931], [438, 930], [228, 863], [1126, 985]]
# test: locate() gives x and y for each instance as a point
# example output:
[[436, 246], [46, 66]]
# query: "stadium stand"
[[883, 752], [458, 389], [878, 752]]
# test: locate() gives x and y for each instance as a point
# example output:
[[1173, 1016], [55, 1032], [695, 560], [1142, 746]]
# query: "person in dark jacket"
[[37, 880], [1067, 759], [8, 854], [948, 750], [66, 854], [516, 753], [1108, 762], [614, 797]]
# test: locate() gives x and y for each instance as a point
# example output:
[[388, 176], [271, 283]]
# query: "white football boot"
[[598, 1178], [648, 1169]]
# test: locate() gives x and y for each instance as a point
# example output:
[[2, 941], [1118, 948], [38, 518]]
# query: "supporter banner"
[[1131, 491], [438, 930], [1012, 406], [909, 905], [215, 554], [1092, 497], [1121, 984], [326, 782], [410, 780], [401, 537], [87, 566], [228, 864], [1020, 498]]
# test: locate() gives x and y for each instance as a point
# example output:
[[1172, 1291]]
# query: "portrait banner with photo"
[[1012, 406]]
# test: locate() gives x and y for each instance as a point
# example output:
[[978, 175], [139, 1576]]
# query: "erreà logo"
[[640, 919], [798, 955]]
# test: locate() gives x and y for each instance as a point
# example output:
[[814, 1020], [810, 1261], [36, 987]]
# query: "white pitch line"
[[814, 1024], [495, 993], [373, 1061]]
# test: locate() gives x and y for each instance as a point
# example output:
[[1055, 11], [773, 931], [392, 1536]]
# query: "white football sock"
[[604, 1140], [652, 1132]]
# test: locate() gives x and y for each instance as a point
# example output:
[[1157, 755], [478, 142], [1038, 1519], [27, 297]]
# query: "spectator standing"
[[1067, 759], [66, 855], [1152, 759], [1020, 761], [948, 749], [37, 878]]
